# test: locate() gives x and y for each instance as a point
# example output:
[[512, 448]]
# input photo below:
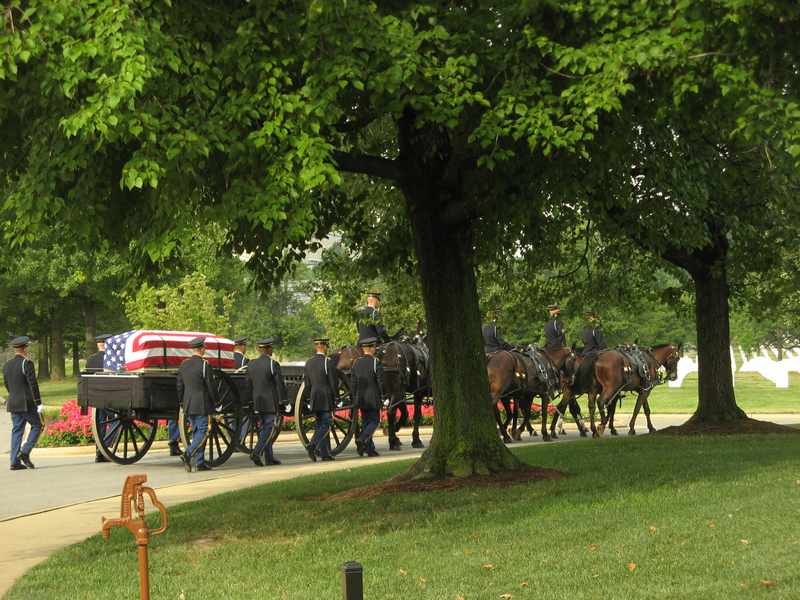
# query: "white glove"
[[40, 408]]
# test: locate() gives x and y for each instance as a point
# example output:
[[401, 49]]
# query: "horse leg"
[[575, 411], [391, 416], [415, 441], [592, 406], [526, 411], [646, 402], [516, 433], [611, 410], [500, 426], [559, 416], [636, 408], [545, 404]]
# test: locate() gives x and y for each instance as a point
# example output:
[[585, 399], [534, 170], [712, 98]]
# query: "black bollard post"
[[353, 581]]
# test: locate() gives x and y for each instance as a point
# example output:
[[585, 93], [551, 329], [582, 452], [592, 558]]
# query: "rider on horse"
[[554, 334], [592, 335], [369, 320], [492, 342]]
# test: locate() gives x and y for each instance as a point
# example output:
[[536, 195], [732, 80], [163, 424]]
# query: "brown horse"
[[607, 374], [517, 375]]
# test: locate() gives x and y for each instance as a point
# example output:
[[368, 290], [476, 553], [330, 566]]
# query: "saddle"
[[635, 360], [544, 369]]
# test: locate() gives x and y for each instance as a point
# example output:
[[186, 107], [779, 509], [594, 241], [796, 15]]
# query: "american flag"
[[140, 349]]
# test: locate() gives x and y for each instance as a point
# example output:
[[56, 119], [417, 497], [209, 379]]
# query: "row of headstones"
[[776, 371]]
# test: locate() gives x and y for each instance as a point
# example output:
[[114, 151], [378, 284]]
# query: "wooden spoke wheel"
[[343, 424], [120, 436], [250, 424], [224, 425]]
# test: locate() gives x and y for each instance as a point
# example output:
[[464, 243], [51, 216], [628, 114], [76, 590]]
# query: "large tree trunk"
[[89, 309], [717, 402], [465, 439], [43, 372], [76, 358], [57, 351]]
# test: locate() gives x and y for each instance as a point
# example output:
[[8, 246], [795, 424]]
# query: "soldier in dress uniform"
[[320, 385], [554, 335], [592, 334], [198, 396], [492, 342], [95, 364], [269, 394], [369, 320], [24, 403], [239, 351], [367, 381]]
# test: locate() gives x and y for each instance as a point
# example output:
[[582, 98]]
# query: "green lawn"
[[754, 394], [652, 517]]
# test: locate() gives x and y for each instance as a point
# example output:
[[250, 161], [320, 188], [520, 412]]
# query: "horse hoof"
[[417, 444], [595, 434], [632, 432], [547, 438], [613, 431], [652, 429], [584, 434]]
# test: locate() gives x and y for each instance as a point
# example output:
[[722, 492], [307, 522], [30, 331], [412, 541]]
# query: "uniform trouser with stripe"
[[174, 432], [196, 449], [370, 419], [264, 433], [321, 442], [18, 421]]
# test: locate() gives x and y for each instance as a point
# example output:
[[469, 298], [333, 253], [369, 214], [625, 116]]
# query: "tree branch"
[[366, 164]]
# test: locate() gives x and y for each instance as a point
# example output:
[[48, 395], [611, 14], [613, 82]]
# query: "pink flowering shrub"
[[71, 428]]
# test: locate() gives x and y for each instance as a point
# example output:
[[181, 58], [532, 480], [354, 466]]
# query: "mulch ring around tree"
[[737, 426], [394, 486]]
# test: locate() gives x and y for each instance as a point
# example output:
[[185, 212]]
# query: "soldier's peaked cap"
[[240, 341], [368, 341], [265, 342], [197, 342], [374, 295], [553, 307], [102, 337], [19, 342], [321, 340]]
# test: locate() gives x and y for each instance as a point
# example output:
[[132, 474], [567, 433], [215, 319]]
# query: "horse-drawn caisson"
[[137, 388]]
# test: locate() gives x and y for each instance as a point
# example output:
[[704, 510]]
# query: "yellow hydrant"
[[133, 493]]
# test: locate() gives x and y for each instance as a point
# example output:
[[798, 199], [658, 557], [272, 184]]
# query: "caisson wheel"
[[120, 436]]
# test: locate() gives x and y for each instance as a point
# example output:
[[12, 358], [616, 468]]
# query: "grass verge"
[[651, 517]]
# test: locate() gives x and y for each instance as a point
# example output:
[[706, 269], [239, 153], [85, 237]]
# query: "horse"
[[514, 374], [406, 368], [608, 373]]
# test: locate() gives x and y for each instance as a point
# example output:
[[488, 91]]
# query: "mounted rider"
[[492, 341], [369, 321], [592, 334], [554, 334]]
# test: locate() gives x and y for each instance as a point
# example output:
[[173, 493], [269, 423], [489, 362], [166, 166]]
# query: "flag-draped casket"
[[148, 349]]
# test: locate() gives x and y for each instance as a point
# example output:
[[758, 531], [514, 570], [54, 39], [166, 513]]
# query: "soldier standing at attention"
[[24, 403], [554, 335], [367, 379], [369, 320], [239, 351], [320, 385], [492, 342], [198, 395], [592, 335], [94, 364], [269, 393]]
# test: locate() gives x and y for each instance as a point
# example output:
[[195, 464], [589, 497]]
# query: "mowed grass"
[[650, 517], [754, 394]]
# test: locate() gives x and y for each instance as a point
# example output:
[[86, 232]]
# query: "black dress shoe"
[[203, 467], [26, 460], [372, 453], [360, 447], [311, 453], [99, 458], [329, 457], [174, 450], [256, 460], [18, 467], [274, 461]]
